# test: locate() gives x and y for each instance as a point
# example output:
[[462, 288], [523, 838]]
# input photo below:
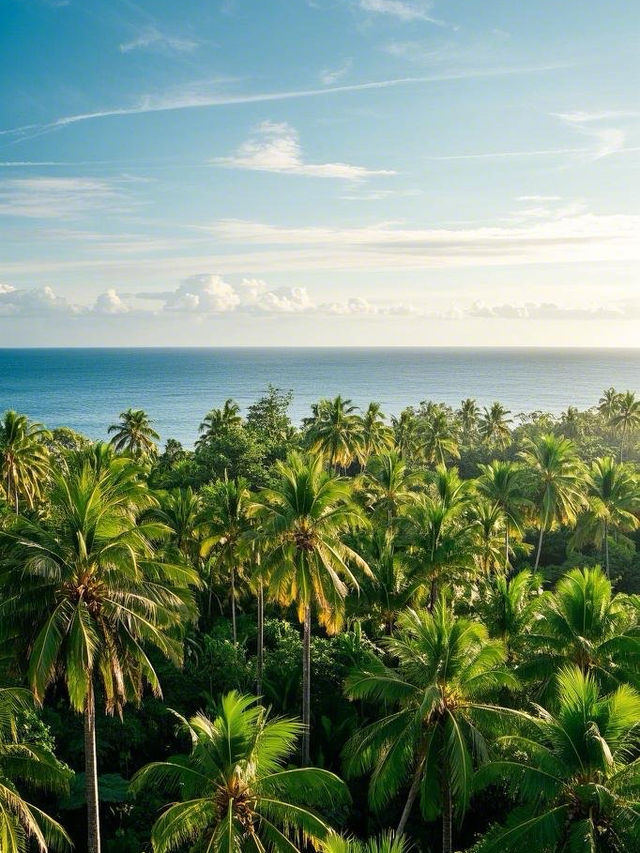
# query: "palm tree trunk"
[[506, 548], [606, 547], [260, 642], [542, 526], [306, 687], [233, 607], [411, 797], [447, 817], [91, 772]]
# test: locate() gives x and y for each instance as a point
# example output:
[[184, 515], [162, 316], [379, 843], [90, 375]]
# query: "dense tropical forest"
[[360, 635]]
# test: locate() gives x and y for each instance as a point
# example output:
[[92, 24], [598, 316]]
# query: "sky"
[[319, 172]]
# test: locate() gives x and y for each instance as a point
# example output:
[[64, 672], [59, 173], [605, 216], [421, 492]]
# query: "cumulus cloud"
[[37, 302], [152, 39], [203, 294], [110, 303], [275, 147]]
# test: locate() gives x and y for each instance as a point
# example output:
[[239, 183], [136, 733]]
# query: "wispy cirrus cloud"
[[605, 138], [57, 198], [152, 39], [330, 76], [404, 10], [275, 147], [213, 93]]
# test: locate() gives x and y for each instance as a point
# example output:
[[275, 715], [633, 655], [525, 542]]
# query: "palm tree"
[[509, 607], [438, 439], [180, 510], [468, 414], [438, 537], [487, 534], [134, 434], [583, 623], [575, 771], [613, 503], [228, 526], [388, 485], [627, 417], [405, 429], [446, 668], [336, 432], [387, 842], [23, 458], [376, 436], [303, 520], [393, 584], [556, 476], [609, 403], [235, 791], [504, 484], [494, 426], [91, 596], [23, 826], [219, 421]]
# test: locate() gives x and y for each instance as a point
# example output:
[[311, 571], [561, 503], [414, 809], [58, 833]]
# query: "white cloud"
[[109, 304], [55, 198], [38, 302], [330, 76], [203, 294], [275, 147], [152, 39], [405, 10], [606, 140]]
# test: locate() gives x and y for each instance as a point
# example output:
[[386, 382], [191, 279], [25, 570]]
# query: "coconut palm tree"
[[556, 481], [24, 459], [302, 523], [469, 414], [376, 436], [388, 485], [235, 792], [609, 403], [387, 842], [437, 534], [180, 510], [504, 483], [438, 439], [574, 770], [487, 535], [613, 504], [583, 623], [392, 585], [406, 429], [626, 419], [219, 421], [336, 432], [23, 826], [134, 434], [433, 699], [494, 426], [509, 608], [88, 592], [228, 525]]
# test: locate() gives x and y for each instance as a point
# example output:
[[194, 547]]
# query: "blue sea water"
[[87, 388]]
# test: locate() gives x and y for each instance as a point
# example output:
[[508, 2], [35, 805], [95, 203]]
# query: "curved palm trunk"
[[260, 641], [411, 798], [306, 687], [539, 546], [233, 607], [91, 773], [506, 548]]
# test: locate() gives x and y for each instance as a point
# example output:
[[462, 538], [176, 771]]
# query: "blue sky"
[[319, 172]]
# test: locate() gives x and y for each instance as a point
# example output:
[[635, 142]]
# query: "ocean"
[[87, 388]]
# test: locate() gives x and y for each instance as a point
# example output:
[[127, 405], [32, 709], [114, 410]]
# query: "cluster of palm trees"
[[365, 523]]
